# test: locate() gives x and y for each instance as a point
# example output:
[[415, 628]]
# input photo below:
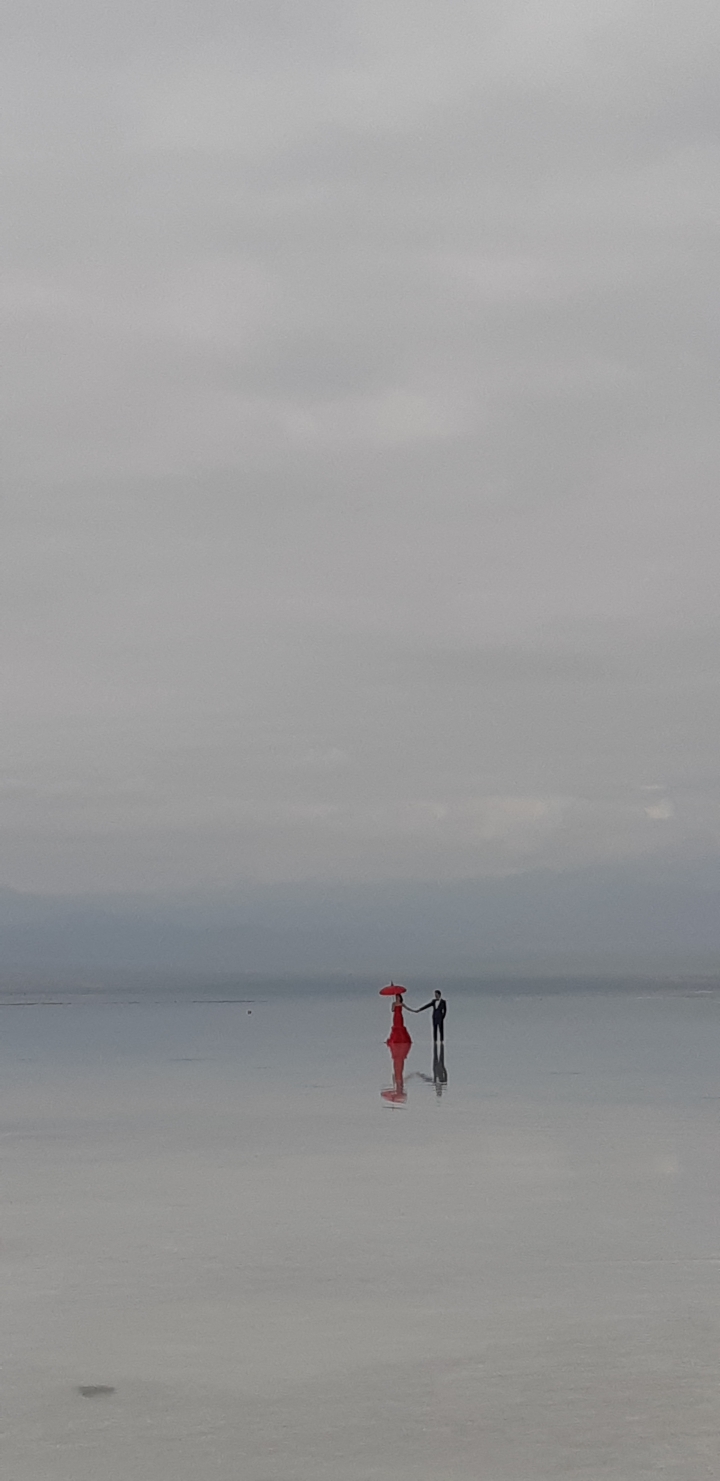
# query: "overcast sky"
[[360, 440]]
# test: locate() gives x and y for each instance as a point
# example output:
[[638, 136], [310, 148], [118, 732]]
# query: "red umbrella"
[[389, 992]]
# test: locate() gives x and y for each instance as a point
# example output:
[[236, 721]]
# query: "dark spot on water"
[[95, 1390]]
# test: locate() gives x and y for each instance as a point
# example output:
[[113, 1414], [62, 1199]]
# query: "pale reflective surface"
[[510, 1272]]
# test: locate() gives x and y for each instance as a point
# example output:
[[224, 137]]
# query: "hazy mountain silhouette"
[[635, 918]]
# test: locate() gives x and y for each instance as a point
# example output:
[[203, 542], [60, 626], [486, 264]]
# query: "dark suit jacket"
[[439, 1007]]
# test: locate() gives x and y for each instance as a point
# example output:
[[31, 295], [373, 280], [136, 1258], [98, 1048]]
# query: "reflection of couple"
[[399, 1043]]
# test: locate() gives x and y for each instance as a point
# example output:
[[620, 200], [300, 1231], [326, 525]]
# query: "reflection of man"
[[439, 1071], [439, 1009]]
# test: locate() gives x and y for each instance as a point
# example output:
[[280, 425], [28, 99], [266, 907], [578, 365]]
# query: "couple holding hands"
[[399, 1033]]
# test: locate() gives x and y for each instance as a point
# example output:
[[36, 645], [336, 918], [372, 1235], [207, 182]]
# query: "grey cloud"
[[495, 665], [359, 374]]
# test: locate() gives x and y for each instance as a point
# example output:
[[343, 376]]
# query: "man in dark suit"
[[439, 1009]]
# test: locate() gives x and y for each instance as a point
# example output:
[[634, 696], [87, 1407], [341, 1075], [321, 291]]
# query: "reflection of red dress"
[[399, 1053], [398, 1033]]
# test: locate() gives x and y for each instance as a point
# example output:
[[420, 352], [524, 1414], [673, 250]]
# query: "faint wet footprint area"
[[95, 1390]]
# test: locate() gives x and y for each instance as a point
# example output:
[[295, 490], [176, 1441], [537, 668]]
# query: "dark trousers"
[[438, 1030]]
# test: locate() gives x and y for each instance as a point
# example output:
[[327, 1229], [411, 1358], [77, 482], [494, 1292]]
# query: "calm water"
[[281, 1274]]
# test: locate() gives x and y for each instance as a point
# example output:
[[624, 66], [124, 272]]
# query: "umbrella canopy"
[[389, 992]]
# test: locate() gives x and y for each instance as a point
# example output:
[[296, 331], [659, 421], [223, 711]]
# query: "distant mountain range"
[[640, 917]]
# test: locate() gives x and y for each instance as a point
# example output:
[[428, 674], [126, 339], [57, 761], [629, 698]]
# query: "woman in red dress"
[[398, 1033]]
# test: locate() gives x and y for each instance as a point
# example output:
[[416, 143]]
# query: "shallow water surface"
[[225, 1254]]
